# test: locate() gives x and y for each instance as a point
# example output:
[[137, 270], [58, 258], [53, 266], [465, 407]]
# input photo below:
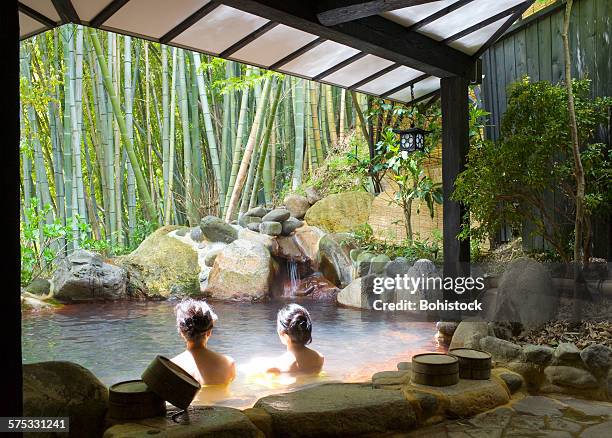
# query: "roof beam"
[[373, 76], [66, 11], [107, 12], [332, 12], [36, 15], [189, 21], [374, 35], [248, 39], [404, 85], [339, 66], [441, 13], [299, 52], [423, 97], [499, 32]]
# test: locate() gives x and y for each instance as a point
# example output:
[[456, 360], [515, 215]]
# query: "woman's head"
[[294, 321], [194, 319]]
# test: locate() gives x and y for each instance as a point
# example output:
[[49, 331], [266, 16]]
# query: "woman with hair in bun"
[[294, 328], [195, 321]]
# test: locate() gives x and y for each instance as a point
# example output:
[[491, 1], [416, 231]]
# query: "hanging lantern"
[[412, 139]]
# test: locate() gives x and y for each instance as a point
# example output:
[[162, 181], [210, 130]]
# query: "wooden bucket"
[[435, 369], [133, 400], [473, 364], [171, 382]]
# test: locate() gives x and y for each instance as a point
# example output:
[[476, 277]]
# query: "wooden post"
[[455, 145]]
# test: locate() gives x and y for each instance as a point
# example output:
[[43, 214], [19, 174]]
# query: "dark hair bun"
[[294, 320], [194, 318]]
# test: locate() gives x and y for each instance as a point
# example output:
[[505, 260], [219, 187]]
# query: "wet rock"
[[468, 334], [215, 229], [567, 352], [363, 263], [271, 228], [538, 354], [196, 234], [33, 303], [277, 215], [597, 358], [290, 225], [598, 431], [312, 195], [242, 271], [401, 366], [333, 258], [162, 266], [268, 241], [65, 389], [287, 248], [340, 212], [297, 205], [589, 408], [307, 238], [398, 266], [447, 328], [209, 258], [39, 286], [539, 406], [514, 381], [379, 263], [390, 378], [254, 226], [244, 220], [258, 212], [571, 377], [501, 350], [84, 276], [203, 421], [356, 294], [338, 410], [203, 277]]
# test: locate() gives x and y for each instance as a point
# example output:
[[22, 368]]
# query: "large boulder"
[[340, 212], [334, 259], [338, 410], [307, 238], [312, 195], [277, 215], [297, 205], [468, 334], [162, 266], [357, 294], [242, 271], [39, 286], [84, 276], [217, 230], [526, 294], [268, 241], [290, 225], [429, 284], [65, 389]]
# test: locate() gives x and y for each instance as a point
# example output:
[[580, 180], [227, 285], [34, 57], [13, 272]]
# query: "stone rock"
[[242, 271], [204, 421], [398, 266], [501, 350], [601, 430], [215, 229], [209, 258], [271, 228], [468, 334], [258, 212], [182, 232], [307, 238], [504, 330], [422, 269], [363, 262], [290, 225], [340, 212], [355, 295], [261, 419], [338, 410], [390, 378], [254, 226], [196, 234], [447, 328], [162, 266], [526, 294], [403, 366], [39, 286], [589, 408], [277, 215], [538, 354], [379, 263], [539, 406], [268, 241], [84, 276], [597, 358], [65, 389], [312, 195], [203, 277], [567, 352], [562, 375], [287, 248], [244, 220], [333, 258], [514, 381], [34, 303], [297, 205]]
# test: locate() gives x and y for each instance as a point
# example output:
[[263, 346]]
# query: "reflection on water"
[[117, 341]]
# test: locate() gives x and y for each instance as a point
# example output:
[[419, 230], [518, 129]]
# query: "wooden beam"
[[339, 66], [499, 32], [373, 76], [439, 14], [36, 15], [404, 85], [455, 146], [482, 24], [248, 39], [373, 35], [66, 11], [189, 21], [296, 53], [332, 12], [107, 12], [424, 97]]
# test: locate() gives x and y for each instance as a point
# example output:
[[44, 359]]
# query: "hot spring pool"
[[117, 341]]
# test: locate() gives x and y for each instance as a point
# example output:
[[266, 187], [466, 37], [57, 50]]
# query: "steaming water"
[[117, 341], [294, 277]]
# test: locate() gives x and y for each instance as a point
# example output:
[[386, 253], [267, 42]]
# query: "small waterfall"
[[294, 276]]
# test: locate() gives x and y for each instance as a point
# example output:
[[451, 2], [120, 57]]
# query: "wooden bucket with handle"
[[133, 400], [171, 382]]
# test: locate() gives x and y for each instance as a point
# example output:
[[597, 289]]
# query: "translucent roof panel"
[[29, 26], [319, 59], [421, 88], [409, 16], [390, 80], [273, 45], [358, 70], [466, 16], [87, 10], [472, 42], [153, 17], [219, 29], [45, 7]]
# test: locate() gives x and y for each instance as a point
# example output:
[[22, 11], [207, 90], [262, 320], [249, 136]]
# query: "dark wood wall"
[[534, 47]]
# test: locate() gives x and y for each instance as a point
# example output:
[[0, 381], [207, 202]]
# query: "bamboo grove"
[[120, 132]]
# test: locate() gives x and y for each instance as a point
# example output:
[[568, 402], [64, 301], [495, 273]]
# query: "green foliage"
[[506, 183]]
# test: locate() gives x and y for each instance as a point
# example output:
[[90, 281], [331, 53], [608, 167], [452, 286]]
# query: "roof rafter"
[[339, 66], [373, 76], [248, 39], [404, 85], [189, 21], [41, 18], [296, 53], [504, 27], [332, 12], [66, 11], [107, 12], [441, 13]]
